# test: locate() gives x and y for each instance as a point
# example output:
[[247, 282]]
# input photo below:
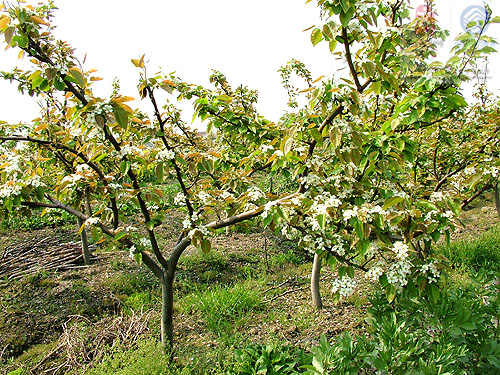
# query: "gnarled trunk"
[[315, 276]]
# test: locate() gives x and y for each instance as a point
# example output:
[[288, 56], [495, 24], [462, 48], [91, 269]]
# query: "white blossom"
[[265, 148], [145, 242], [374, 273], [11, 189], [179, 199], [165, 155], [345, 286], [400, 249], [131, 251], [437, 196], [204, 197], [254, 193], [130, 150], [348, 214], [398, 272], [432, 269], [91, 221]]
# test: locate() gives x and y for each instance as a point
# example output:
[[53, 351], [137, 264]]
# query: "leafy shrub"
[[456, 333], [268, 359]]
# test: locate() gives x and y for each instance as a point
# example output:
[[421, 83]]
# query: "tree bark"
[[85, 242], [315, 276], [497, 199], [167, 311]]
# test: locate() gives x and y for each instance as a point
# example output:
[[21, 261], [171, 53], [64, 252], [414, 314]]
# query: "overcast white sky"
[[246, 40]]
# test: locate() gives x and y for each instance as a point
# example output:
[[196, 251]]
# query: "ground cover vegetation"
[[376, 163]]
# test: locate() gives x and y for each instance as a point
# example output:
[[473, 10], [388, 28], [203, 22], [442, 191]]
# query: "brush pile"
[[38, 255]]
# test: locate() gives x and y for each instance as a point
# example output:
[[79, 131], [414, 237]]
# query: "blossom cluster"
[[165, 155], [345, 286], [254, 193], [398, 272], [432, 272]]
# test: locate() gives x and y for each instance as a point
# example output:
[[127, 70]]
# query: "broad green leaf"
[[159, 172], [392, 202], [317, 136], [206, 245], [119, 235], [316, 36], [121, 116], [78, 76], [124, 166], [138, 258], [390, 292]]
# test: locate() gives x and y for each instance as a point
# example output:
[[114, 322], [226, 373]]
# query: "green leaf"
[[150, 225], [316, 36], [383, 280], [336, 137], [206, 246], [119, 235], [138, 258], [59, 85], [332, 45], [346, 16], [434, 293], [124, 166], [317, 136], [268, 220], [78, 76], [390, 292], [21, 40], [121, 116], [159, 172], [392, 201], [321, 220]]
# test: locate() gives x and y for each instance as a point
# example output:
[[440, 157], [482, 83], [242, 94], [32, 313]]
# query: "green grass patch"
[[147, 358], [482, 252], [223, 306]]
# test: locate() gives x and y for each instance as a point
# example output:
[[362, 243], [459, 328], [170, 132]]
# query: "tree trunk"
[[85, 243], [497, 199], [315, 276], [167, 312]]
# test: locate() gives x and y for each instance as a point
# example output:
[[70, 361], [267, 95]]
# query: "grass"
[[482, 252], [220, 307]]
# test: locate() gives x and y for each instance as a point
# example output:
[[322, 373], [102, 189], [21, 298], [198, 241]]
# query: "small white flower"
[[179, 199], [374, 273], [91, 221], [400, 249], [254, 193], [145, 242], [266, 148], [131, 251], [345, 286], [348, 214], [165, 155]]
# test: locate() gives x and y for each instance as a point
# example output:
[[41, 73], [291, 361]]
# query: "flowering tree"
[[352, 152]]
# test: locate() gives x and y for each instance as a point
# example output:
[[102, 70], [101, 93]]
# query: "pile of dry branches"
[[35, 255], [83, 342]]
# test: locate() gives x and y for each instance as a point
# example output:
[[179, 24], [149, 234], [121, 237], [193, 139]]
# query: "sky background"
[[246, 40]]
